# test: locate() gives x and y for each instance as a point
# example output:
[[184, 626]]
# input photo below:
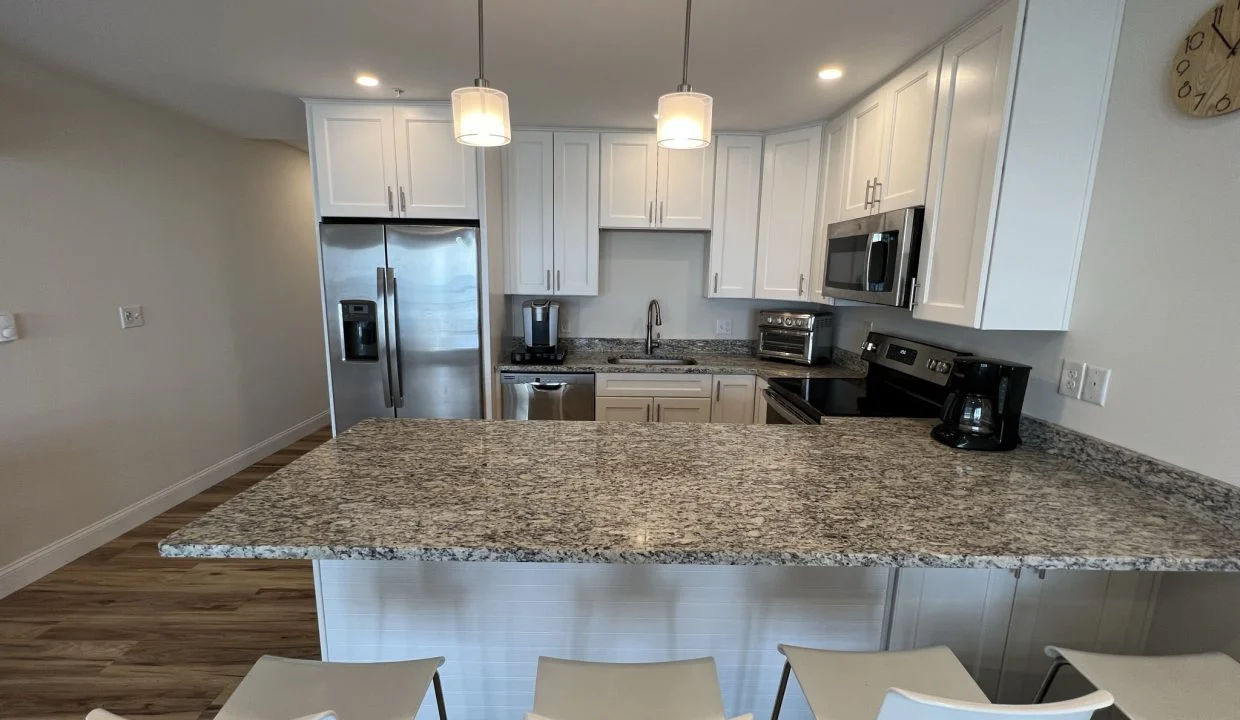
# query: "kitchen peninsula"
[[621, 541]]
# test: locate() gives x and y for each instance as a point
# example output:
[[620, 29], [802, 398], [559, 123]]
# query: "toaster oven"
[[799, 337]]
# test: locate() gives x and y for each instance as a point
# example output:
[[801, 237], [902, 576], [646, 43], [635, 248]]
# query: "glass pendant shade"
[[480, 116], [684, 120]]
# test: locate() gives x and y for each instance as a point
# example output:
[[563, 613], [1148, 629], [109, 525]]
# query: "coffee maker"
[[982, 411], [542, 333]]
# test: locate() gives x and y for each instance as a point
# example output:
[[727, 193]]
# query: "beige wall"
[[1158, 294], [108, 201]]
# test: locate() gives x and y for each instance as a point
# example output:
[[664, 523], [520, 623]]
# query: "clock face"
[[1205, 74]]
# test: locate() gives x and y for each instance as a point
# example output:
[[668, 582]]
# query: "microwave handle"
[[869, 247]]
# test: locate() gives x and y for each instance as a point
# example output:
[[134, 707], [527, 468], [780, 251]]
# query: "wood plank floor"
[[144, 636]]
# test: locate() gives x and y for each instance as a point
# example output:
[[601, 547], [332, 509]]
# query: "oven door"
[[781, 412], [870, 259], [785, 344]]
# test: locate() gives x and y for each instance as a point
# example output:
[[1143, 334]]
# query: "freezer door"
[[435, 323], [354, 268]]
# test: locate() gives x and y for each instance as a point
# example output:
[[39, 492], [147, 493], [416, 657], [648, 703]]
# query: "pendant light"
[[480, 112], [685, 116]]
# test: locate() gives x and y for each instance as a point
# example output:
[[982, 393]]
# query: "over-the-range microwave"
[[874, 259]]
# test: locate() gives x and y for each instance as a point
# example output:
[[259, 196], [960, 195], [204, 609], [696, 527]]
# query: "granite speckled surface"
[[854, 492]]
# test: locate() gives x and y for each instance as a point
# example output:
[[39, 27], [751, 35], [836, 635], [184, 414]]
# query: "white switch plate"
[[1095, 386], [1072, 378], [131, 316], [723, 327], [8, 327]]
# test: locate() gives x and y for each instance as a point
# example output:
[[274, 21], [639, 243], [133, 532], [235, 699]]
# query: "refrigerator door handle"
[[398, 391], [385, 372]]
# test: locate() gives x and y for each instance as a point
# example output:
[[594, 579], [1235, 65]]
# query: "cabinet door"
[[629, 167], [790, 172], [966, 158], [906, 149], [685, 188], [833, 148], [438, 176], [733, 399], [354, 160], [528, 206], [734, 239], [691, 410], [863, 154], [759, 401], [623, 409], [576, 213]]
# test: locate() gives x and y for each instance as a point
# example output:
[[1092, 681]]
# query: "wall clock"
[[1205, 74]]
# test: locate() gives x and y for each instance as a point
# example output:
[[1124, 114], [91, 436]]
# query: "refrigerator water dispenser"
[[359, 321]]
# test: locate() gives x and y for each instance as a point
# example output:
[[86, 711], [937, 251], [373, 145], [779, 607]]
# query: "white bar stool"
[[932, 683], [279, 688], [1168, 687], [577, 690]]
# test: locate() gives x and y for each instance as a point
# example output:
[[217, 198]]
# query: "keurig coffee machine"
[[983, 410], [542, 333]]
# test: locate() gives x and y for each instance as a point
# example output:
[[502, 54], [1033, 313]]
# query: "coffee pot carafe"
[[982, 411]]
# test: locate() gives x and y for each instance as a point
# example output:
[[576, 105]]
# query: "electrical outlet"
[[1072, 378], [1095, 385], [131, 316], [723, 327], [8, 327], [563, 327]]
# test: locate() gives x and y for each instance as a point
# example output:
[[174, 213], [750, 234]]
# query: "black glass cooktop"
[[880, 394]]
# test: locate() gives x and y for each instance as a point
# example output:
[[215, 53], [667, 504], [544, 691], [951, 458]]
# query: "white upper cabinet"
[[790, 174], [354, 160], [645, 186], [551, 206], [734, 240], [863, 155], [383, 160], [1012, 165], [576, 180], [629, 175], [437, 176], [528, 204], [906, 147], [833, 145]]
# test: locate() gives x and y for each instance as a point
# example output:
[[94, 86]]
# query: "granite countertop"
[[851, 492], [708, 363]]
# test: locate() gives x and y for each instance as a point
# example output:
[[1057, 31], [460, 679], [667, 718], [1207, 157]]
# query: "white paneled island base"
[[493, 620]]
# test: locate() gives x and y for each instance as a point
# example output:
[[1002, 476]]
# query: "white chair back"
[[905, 705], [678, 690]]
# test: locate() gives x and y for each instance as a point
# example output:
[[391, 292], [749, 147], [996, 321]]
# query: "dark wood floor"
[[143, 636]]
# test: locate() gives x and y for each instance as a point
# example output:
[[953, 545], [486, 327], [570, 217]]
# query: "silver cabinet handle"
[[658, 413], [716, 282], [651, 211], [548, 279], [385, 373], [869, 187], [647, 413], [878, 187], [718, 387], [398, 390], [402, 199], [557, 281], [801, 285], [660, 212], [390, 206]]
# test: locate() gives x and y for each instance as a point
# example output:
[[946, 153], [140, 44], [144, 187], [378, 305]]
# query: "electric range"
[[906, 379]]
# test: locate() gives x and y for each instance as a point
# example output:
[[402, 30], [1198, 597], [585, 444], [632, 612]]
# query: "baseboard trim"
[[25, 570]]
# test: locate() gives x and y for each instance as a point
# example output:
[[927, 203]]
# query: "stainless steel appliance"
[[983, 410], [541, 319], [548, 396], [799, 337], [874, 259], [906, 379], [403, 321]]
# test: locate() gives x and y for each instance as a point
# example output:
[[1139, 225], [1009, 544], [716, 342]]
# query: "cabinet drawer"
[[652, 385]]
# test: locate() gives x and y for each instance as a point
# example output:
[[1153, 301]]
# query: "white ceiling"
[[241, 65]]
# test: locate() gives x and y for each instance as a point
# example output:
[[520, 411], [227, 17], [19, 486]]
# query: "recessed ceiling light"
[[366, 80], [831, 73]]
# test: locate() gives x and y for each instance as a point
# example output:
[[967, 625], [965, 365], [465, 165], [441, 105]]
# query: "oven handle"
[[786, 411]]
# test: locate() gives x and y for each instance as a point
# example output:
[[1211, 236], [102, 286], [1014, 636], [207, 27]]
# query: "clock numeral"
[[1194, 41], [1223, 104], [1182, 66], [1185, 90], [1200, 97]]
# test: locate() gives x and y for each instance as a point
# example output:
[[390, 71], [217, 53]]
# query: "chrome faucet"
[[654, 316]]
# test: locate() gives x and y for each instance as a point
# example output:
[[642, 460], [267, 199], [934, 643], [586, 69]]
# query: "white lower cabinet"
[[734, 399], [690, 410], [623, 409], [759, 401]]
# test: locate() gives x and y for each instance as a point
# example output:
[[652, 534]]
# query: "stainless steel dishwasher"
[[548, 396]]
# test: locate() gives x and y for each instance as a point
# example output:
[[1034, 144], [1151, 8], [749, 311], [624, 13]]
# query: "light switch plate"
[[1072, 378], [723, 327], [8, 327], [1095, 386], [131, 316]]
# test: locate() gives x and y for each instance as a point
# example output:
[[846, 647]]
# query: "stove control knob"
[[868, 346]]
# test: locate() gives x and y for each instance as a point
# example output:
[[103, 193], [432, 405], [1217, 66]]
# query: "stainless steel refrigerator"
[[403, 321]]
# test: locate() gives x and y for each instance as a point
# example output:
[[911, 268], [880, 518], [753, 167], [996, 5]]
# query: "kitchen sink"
[[646, 360]]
